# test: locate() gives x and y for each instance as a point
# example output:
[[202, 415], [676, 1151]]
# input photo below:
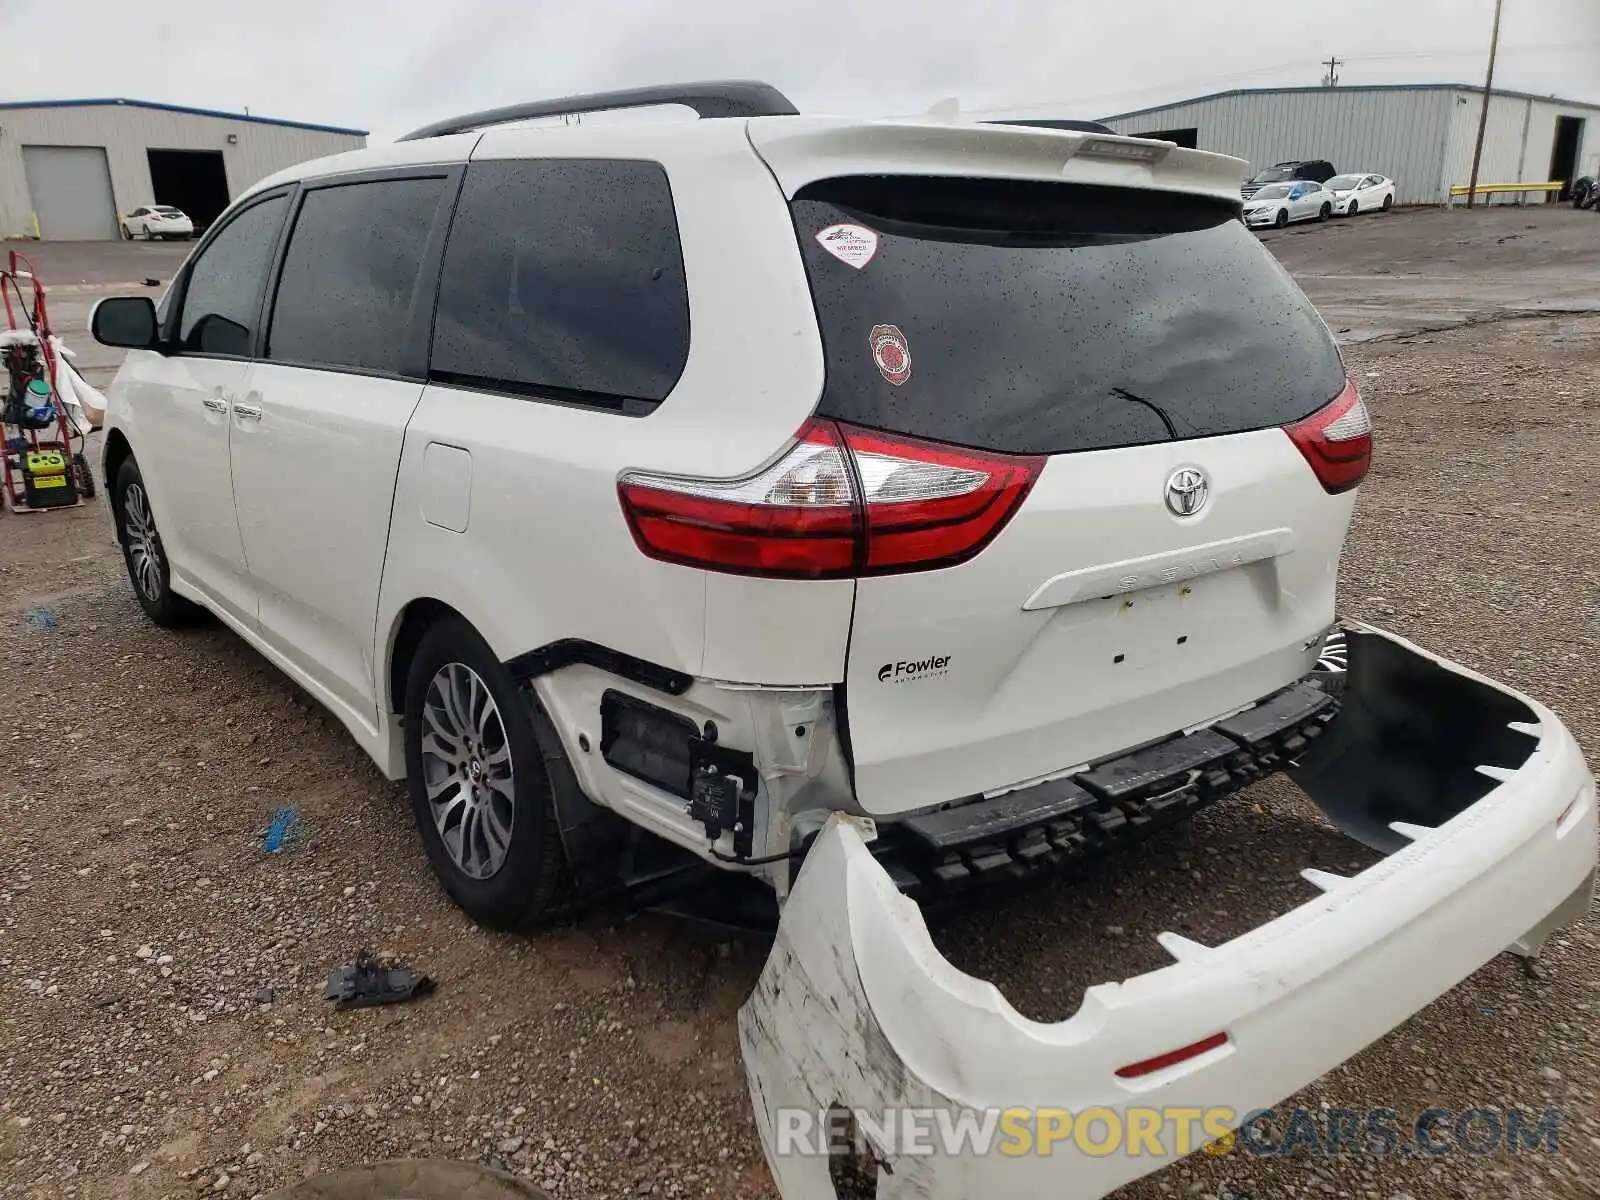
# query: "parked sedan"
[[1279, 203], [1354, 194], [157, 221]]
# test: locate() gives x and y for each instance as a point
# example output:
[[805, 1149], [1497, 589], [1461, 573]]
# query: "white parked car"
[[157, 221], [1354, 194], [1277, 204], [871, 542]]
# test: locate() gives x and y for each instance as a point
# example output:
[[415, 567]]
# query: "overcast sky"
[[393, 65]]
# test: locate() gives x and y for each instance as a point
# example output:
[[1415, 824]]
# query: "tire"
[[489, 826], [1388, 202], [83, 476], [1353, 209], [1325, 212], [144, 555], [127, 234], [1281, 219]]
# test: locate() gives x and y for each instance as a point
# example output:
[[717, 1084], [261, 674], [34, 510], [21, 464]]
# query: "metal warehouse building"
[[1421, 135], [70, 168]]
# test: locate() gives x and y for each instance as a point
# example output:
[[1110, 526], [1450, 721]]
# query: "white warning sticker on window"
[[853, 245]]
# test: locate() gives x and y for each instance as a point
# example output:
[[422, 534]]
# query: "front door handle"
[[248, 411], [215, 404]]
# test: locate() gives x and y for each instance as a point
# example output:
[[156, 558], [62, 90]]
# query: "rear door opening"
[[1140, 355]]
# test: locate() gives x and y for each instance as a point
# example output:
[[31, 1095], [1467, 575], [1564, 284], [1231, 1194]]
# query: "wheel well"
[[414, 623], [117, 452]]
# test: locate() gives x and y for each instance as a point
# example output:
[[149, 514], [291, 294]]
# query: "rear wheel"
[[1282, 218], [480, 789], [1388, 203], [144, 554]]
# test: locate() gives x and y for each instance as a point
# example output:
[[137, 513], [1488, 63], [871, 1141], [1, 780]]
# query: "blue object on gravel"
[[285, 824], [43, 618]]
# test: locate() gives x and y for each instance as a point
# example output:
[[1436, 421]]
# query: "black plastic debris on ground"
[[370, 981]]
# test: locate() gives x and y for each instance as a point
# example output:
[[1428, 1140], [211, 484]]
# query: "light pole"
[[1483, 117]]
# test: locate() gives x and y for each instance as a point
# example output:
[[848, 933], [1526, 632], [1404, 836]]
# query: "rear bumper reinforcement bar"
[[1119, 800]]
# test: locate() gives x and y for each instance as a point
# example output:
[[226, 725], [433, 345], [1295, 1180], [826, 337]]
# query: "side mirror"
[[126, 322]]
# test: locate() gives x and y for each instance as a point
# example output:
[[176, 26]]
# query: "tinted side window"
[[348, 291], [564, 279], [223, 297]]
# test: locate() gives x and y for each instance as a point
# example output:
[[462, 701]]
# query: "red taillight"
[[1337, 441], [841, 502]]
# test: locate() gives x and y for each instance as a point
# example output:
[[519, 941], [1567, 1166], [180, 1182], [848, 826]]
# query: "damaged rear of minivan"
[[1089, 457]]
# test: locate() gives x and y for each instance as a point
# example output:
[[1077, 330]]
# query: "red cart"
[[30, 361]]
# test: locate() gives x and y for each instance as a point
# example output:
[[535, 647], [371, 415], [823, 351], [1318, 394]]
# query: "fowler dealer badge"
[[853, 245], [891, 352]]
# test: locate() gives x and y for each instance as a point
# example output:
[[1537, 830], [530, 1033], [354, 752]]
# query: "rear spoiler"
[[801, 150]]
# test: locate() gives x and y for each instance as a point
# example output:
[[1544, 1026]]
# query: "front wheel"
[[1353, 209], [144, 554], [480, 788], [127, 234], [1282, 218], [1325, 212]]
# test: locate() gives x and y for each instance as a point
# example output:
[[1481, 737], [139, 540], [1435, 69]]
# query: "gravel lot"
[[140, 920]]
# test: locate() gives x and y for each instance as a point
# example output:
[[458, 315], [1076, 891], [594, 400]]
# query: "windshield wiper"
[[1172, 430]]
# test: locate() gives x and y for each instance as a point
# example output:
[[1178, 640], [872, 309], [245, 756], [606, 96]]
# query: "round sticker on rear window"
[[891, 352], [853, 245]]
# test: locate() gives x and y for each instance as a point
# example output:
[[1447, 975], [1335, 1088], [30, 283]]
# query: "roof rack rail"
[[714, 98]]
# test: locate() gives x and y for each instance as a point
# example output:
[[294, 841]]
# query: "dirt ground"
[[162, 1027], [1412, 270]]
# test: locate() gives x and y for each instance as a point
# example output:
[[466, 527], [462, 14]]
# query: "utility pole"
[[1483, 117], [1331, 79]]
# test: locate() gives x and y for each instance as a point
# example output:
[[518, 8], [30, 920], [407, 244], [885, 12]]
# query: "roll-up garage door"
[[70, 187]]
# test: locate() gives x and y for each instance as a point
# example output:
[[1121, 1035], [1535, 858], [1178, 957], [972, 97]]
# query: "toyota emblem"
[[1187, 490]]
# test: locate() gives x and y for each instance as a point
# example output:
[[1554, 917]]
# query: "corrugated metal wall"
[[127, 132], [1518, 142], [1396, 133]]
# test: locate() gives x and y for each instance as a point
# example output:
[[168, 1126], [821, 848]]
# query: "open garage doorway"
[[1564, 153], [193, 180], [1189, 137]]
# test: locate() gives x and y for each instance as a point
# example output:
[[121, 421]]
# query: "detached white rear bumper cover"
[[857, 1008]]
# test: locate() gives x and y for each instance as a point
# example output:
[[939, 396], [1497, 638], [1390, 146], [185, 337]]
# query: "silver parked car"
[[1279, 203]]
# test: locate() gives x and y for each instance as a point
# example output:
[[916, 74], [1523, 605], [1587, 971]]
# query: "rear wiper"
[[1172, 430]]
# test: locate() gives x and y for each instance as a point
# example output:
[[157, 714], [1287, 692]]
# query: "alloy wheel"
[[467, 770], [144, 545]]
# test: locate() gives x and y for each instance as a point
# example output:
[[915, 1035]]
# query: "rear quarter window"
[[563, 280], [1046, 318]]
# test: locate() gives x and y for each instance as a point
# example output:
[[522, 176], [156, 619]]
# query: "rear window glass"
[[1045, 318], [563, 279]]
